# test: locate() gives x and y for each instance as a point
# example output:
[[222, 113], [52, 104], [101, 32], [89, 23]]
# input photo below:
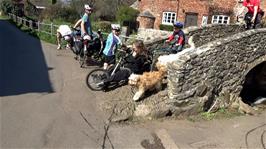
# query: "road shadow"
[[23, 68]]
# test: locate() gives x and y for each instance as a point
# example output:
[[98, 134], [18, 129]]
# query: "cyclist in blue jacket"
[[112, 43]]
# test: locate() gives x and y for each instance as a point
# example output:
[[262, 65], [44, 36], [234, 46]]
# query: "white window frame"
[[168, 18], [220, 19], [204, 20]]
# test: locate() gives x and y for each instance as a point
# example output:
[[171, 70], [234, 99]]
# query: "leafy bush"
[[52, 1], [104, 26], [126, 13], [57, 12], [31, 11], [6, 6], [68, 14], [166, 27]]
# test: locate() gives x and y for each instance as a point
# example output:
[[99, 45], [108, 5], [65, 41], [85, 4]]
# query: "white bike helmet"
[[87, 7], [115, 27]]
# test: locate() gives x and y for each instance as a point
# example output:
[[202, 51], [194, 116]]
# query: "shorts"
[[109, 59]]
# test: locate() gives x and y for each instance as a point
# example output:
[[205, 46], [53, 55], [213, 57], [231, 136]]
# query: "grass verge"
[[220, 114], [3, 17]]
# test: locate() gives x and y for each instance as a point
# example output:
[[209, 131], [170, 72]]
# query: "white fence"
[[47, 28], [38, 26]]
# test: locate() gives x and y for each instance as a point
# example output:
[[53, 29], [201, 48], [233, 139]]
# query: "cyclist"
[[86, 28], [178, 37], [254, 14], [112, 42], [134, 63], [64, 32]]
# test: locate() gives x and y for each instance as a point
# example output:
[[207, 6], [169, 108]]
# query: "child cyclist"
[[112, 43], [178, 37]]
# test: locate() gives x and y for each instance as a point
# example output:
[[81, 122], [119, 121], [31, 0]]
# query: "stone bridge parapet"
[[201, 74], [201, 35]]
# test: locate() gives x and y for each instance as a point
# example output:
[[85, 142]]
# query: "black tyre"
[[95, 77]]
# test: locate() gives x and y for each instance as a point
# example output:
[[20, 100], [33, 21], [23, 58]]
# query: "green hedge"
[[166, 27], [126, 13], [104, 26]]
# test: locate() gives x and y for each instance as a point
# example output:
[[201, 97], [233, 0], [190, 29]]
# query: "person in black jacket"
[[136, 63]]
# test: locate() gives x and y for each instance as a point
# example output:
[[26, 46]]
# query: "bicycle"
[[99, 75], [84, 48]]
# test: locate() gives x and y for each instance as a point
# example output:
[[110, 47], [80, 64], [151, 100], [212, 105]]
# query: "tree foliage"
[[126, 13], [6, 6], [60, 12], [52, 1], [102, 9], [30, 10]]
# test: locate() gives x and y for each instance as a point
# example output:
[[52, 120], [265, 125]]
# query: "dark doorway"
[[191, 19], [255, 84]]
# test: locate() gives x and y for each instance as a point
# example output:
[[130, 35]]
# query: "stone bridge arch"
[[255, 81], [214, 71]]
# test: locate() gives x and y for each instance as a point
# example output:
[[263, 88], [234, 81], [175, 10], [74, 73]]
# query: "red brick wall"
[[157, 7], [263, 5], [146, 22], [181, 7], [192, 6], [225, 5]]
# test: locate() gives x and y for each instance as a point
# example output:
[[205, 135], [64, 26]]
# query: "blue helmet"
[[178, 24]]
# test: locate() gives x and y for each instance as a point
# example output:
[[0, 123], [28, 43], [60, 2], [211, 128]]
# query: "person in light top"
[[112, 43], [86, 28], [64, 32]]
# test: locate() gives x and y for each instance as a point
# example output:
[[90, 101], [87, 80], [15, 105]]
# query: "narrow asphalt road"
[[38, 86], [44, 103]]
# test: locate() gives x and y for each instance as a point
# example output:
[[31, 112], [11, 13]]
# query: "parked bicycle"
[[85, 48], [96, 77], [99, 75]]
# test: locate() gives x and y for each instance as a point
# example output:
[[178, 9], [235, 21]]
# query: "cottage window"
[[168, 18], [220, 19]]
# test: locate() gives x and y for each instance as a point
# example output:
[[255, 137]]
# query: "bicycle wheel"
[[95, 78]]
